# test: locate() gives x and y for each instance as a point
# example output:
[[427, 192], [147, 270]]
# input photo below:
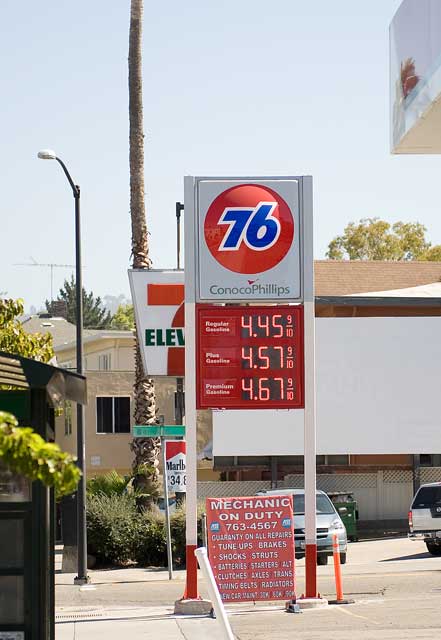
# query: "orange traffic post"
[[340, 599]]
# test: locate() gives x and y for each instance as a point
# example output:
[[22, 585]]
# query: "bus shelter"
[[31, 391]]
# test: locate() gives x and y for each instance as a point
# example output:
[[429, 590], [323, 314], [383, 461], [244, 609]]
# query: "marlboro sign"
[[158, 298], [176, 467]]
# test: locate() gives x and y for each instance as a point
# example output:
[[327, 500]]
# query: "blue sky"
[[241, 87]]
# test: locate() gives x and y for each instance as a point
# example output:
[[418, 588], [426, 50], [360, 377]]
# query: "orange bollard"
[[337, 570], [337, 567]]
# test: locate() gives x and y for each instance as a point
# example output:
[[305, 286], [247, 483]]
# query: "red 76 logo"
[[255, 226]]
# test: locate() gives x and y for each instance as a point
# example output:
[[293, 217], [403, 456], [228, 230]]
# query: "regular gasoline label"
[[251, 547]]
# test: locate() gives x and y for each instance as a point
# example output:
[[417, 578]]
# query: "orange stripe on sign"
[[165, 294]]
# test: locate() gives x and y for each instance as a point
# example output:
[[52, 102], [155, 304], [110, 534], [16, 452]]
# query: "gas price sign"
[[250, 357]]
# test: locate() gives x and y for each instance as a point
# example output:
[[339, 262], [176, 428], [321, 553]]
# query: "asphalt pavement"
[[395, 583]]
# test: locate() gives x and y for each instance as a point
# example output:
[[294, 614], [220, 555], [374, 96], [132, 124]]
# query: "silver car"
[[328, 523], [425, 517]]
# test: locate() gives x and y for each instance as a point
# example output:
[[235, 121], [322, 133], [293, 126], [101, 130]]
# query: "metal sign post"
[[167, 511], [163, 431], [191, 584], [309, 425]]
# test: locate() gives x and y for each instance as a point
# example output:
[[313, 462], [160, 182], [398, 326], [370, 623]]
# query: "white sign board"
[[377, 393], [415, 77], [158, 298], [248, 239], [175, 461]]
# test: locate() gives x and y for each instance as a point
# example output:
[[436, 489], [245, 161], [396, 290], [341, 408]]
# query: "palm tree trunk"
[[146, 450]]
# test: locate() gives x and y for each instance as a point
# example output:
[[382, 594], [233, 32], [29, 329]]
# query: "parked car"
[[328, 523], [425, 517]]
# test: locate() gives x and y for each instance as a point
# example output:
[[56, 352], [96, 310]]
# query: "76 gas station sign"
[[248, 240]]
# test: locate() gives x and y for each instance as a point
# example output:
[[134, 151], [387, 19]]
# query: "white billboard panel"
[[158, 298], [248, 239], [378, 387], [415, 77]]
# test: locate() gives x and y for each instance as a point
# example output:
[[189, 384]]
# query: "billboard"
[[377, 393], [248, 239], [251, 547], [415, 77], [158, 299]]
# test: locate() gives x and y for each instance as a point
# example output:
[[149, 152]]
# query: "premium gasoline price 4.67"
[[250, 357]]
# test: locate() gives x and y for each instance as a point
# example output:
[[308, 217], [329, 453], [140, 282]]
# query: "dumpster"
[[346, 506]]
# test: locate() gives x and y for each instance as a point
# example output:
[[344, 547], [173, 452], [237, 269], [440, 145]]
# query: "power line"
[[51, 265]]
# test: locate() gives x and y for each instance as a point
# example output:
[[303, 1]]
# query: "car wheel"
[[343, 558], [434, 549], [322, 559]]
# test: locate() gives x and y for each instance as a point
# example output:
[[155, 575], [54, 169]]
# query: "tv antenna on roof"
[[52, 265]]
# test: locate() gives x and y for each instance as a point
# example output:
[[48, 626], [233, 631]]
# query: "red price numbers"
[[264, 325], [266, 389], [267, 357]]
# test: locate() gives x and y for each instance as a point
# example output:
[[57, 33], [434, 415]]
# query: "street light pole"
[[82, 577]]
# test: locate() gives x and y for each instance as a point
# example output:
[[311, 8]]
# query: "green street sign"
[[159, 430]]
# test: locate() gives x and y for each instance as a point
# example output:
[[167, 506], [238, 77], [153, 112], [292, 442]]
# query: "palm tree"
[[146, 450]]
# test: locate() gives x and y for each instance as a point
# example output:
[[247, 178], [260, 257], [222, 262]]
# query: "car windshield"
[[427, 497], [323, 504]]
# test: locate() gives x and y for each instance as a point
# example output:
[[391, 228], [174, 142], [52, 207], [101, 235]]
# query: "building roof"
[[62, 331], [91, 335], [346, 277]]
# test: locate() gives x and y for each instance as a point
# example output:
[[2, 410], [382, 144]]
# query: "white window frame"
[[113, 432], [106, 359]]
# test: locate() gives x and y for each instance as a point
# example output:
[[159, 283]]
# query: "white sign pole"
[[310, 430], [167, 510], [191, 587], [218, 605]]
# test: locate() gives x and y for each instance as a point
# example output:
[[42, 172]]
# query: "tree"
[[124, 317], [14, 339], [95, 316], [22, 450], [25, 452], [375, 239], [146, 450]]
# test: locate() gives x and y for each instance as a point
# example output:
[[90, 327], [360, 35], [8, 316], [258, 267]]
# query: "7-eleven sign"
[[158, 298]]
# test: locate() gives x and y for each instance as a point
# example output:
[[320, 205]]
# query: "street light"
[[82, 577]]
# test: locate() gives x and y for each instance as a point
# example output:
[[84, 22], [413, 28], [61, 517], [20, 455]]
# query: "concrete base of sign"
[[198, 607], [344, 601], [69, 563], [311, 603]]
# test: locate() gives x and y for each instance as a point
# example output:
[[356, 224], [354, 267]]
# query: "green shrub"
[[112, 527], [150, 545], [151, 548], [109, 484], [118, 533]]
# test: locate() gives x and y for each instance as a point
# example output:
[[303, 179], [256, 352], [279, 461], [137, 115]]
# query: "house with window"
[[109, 366]]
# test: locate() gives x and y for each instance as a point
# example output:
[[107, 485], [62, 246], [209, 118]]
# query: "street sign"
[[158, 298], [176, 467], [250, 357], [158, 431], [248, 239], [251, 547]]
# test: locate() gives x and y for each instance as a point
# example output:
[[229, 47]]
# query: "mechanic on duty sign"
[[249, 239], [251, 547]]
